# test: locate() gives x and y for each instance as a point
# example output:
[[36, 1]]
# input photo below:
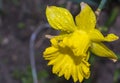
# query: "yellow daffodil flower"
[[70, 50]]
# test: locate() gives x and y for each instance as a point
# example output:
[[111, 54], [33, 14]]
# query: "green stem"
[[100, 7], [112, 17], [102, 3]]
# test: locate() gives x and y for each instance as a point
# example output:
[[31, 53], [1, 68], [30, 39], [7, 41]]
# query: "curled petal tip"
[[49, 36], [82, 4], [48, 7], [114, 60], [111, 37]]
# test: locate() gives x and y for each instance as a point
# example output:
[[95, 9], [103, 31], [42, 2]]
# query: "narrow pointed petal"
[[87, 56], [63, 69], [74, 74], [60, 18], [54, 61], [85, 69], [86, 19], [80, 76], [57, 67], [56, 41], [68, 71], [50, 50], [111, 37], [102, 51]]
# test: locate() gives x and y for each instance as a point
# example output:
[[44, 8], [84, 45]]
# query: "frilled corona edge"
[[70, 50], [66, 63]]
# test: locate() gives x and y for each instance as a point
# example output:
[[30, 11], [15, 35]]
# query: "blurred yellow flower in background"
[[70, 50]]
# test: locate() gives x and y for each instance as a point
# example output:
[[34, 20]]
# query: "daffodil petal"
[[85, 69], [102, 51], [50, 50], [56, 41], [55, 60], [86, 19], [87, 56], [111, 37], [74, 74], [80, 75], [96, 35], [57, 66], [68, 71], [60, 19], [66, 67]]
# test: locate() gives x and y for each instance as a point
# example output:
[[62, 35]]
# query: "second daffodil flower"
[[70, 50]]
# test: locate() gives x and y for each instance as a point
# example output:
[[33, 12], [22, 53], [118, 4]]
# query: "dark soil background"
[[20, 18]]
